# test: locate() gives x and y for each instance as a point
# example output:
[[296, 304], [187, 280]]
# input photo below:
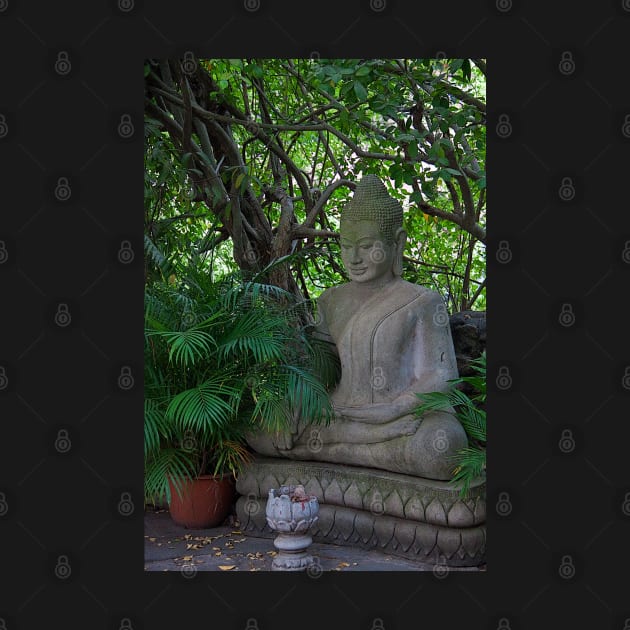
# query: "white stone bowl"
[[287, 516]]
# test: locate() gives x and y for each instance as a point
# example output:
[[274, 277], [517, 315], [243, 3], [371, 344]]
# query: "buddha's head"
[[371, 234]]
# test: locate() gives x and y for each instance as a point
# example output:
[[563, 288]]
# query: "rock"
[[468, 329]]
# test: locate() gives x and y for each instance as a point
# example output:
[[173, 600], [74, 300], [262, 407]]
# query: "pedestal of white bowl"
[[292, 520]]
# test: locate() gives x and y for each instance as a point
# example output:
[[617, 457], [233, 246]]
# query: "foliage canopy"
[[248, 162]]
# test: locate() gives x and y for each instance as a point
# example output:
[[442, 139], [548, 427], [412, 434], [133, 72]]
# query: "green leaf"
[[360, 91]]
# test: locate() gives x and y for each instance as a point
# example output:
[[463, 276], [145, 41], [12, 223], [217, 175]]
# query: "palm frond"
[[187, 347], [169, 463], [201, 408], [255, 335], [471, 464], [157, 257]]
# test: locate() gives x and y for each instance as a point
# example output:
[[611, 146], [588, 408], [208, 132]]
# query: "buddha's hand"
[[379, 413], [283, 441], [405, 426]]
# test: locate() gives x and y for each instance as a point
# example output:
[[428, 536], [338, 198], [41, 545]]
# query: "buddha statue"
[[393, 340]]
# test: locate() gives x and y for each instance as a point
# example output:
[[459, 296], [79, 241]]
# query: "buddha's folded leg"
[[427, 453], [430, 451]]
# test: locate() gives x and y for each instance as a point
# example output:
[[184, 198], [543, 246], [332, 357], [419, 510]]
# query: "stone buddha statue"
[[393, 340]]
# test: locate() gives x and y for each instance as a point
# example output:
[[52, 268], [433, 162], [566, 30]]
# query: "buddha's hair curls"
[[372, 202]]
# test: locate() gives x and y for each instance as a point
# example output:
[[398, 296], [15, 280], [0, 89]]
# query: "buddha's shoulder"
[[402, 291], [417, 292], [334, 293]]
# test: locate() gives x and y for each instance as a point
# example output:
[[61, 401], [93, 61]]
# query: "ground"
[[168, 547]]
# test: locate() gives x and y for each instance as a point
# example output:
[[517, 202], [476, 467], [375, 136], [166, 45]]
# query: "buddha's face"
[[366, 254]]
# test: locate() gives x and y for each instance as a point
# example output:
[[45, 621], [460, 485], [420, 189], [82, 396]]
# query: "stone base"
[[292, 552], [374, 509]]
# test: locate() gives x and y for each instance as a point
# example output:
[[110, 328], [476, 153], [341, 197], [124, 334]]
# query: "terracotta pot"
[[205, 502]]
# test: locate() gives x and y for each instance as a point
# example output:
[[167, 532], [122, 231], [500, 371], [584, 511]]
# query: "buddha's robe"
[[393, 343]]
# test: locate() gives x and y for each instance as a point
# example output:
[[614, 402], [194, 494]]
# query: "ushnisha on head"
[[371, 233]]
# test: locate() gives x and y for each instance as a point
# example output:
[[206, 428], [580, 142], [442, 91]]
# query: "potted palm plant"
[[221, 359]]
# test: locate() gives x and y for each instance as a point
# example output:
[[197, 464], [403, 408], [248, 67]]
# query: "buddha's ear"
[[400, 239]]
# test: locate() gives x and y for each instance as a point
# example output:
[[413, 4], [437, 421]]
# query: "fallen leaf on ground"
[[187, 558], [227, 567], [236, 531]]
